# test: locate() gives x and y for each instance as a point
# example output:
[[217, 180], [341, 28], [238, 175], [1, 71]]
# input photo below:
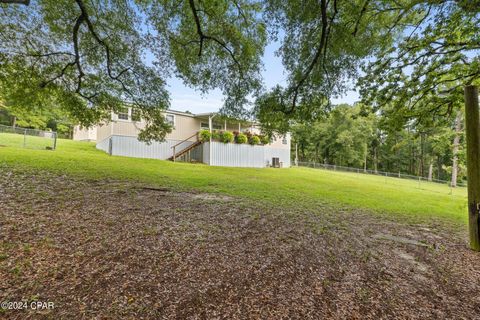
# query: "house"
[[119, 137]]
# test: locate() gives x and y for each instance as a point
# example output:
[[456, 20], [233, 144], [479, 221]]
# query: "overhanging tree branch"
[[362, 12], [204, 37], [24, 2], [318, 54]]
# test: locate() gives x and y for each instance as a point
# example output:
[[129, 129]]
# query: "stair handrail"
[[174, 146]]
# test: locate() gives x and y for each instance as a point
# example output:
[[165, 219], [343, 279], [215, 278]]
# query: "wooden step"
[[183, 151]]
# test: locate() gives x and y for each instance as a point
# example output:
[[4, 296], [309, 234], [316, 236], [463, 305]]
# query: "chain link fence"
[[27, 138], [422, 182]]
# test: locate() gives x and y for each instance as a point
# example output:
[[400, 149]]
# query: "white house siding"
[[244, 155], [103, 145], [104, 131], [206, 152], [131, 147], [184, 126], [84, 134]]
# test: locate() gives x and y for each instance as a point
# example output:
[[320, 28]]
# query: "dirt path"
[[111, 250]]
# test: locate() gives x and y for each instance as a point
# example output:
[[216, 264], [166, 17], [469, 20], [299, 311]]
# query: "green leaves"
[[213, 44], [96, 56], [422, 77], [324, 44]]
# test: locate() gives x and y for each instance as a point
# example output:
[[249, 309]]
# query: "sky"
[[184, 98]]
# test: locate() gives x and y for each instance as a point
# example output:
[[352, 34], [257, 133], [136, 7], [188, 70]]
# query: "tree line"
[[354, 136], [52, 118]]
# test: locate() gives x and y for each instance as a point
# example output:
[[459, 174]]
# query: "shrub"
[[264, 139], [204, 135], [241, 138], [216, 135], [254, 140], [226, 137]]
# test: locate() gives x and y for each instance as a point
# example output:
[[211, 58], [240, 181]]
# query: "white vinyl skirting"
[[222, 154]]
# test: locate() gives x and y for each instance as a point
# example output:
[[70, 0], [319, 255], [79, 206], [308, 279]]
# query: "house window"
[[136, 115], [284, 140], [215, 126], [170, 118], [123, 114]]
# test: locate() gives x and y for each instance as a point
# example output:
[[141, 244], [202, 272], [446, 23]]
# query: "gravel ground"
[[123, 250]]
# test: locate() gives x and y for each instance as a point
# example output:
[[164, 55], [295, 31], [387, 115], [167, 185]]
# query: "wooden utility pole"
[[472, 128]]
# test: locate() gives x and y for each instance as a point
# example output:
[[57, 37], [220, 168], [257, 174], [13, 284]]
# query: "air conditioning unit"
[[276, 162]]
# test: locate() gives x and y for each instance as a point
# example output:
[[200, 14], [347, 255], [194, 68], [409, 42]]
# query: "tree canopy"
[[92, 57], [422, 76]]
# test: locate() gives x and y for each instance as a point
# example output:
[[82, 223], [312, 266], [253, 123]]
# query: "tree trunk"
[[365, 162], [439, 168], [430, 172], [14, 121], [472, 121], [375, 160], [456, 143], [421, 173]]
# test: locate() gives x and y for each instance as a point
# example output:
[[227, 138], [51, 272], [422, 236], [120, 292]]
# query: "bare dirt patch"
[[115, 249]]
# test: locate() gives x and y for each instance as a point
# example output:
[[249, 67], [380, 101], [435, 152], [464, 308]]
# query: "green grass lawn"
[[283, 187], [28, 141]]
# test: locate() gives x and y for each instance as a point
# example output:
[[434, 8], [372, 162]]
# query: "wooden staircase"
[[177, 154]]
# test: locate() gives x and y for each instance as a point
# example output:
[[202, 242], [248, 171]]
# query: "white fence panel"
[[222, 154], [244, 155], [282, 154], [103, 145], [132, 147], [206, 152]]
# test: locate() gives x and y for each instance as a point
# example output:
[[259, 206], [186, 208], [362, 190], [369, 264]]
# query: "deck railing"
[[183, 141]]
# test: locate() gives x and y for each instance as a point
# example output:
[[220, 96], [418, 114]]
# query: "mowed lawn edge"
[[293, 187]]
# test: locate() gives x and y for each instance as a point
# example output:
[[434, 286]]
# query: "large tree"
[[420, 51], [423, 74], [323, 44], [93, 56]]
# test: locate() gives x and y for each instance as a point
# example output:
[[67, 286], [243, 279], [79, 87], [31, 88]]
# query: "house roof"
[[188, 114], [205, 115]]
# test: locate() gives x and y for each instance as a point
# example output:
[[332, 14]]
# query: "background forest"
[[354, 136]]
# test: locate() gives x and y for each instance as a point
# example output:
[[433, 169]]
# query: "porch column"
[[239, 127], [210, 144], [225, 125]]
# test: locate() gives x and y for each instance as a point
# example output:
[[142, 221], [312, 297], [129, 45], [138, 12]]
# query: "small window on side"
[[123, 114], [215, 126], [284, 140], [170, 118]]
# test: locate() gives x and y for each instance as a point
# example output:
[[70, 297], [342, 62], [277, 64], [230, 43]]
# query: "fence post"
[[55, 141], [472, 127], [24, 138]]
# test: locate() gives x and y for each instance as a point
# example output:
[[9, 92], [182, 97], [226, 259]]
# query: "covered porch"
[[215, 121]]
